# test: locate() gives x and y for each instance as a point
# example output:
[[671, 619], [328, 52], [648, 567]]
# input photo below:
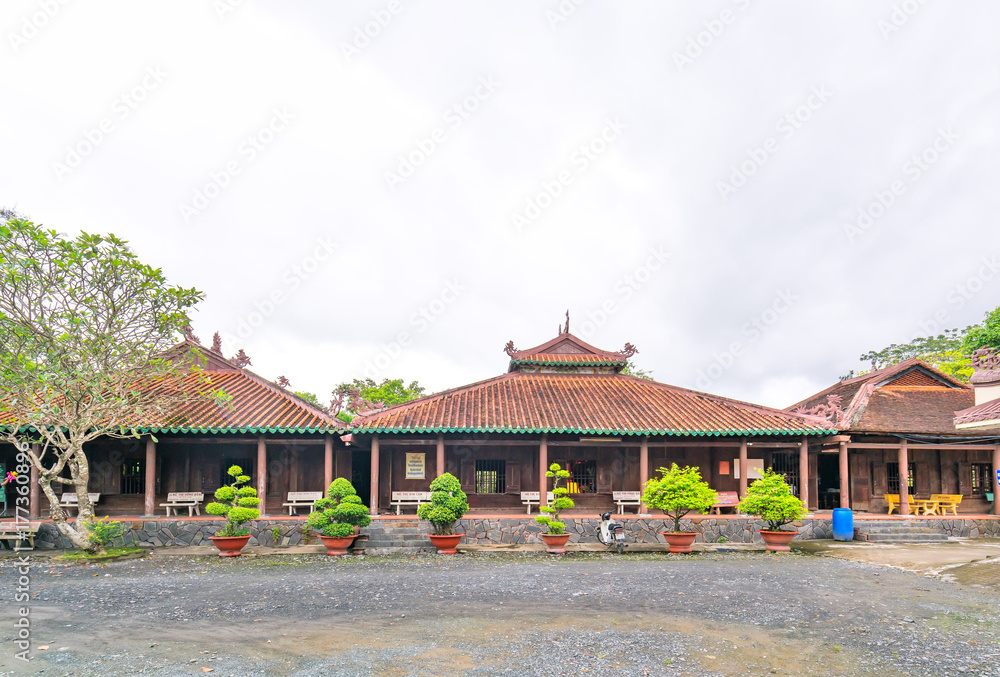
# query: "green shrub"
[[448, 504], [104, 531], [771, 499], [237, 504], [677, 492], [559, 501], [336, 515]]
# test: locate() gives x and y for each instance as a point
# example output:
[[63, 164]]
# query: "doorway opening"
[[828, 468]]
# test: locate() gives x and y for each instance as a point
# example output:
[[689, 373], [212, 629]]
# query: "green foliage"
[[339, 512], [276, 534], [104, 531], [677, 492], [560, 501], [771, 499], [235, 504], [946, 352], [985, 335], [310, 398], [448, 504], [630, 369], [389, 392]]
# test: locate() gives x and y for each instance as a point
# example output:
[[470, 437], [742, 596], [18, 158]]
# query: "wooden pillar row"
[[543, 466], [743, 467], [804, 471], [150, 503], [643, 469], [262, 474], [374, 485], [439, 467], [327, 462]]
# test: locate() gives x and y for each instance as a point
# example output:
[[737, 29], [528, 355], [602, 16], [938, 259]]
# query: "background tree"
[[389, 392], [984, 335], [630, 369], [945, 352], [84, 326]]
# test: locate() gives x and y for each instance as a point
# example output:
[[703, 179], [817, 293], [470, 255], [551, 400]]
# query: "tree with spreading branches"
[[84, 331]]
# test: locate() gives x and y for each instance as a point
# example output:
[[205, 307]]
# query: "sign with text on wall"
[[755, 468], [415, 466]]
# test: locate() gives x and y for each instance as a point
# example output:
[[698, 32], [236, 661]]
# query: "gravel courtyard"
[[511, 614]]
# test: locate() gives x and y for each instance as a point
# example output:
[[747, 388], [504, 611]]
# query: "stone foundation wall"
[[512, 531]]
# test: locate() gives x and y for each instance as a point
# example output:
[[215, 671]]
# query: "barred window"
[[787, 465], [491, 477], [134, 476], [892, 477], [583, 477], [982, 478]]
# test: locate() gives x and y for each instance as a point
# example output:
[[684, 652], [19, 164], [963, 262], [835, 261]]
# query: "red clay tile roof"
[[566, 350], [913, 410], [987, 411], [519, 402]]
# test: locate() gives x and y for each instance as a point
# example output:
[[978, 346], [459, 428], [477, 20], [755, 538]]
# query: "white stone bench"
[[301, 499], [401, 498], [530, 498], [69, 500], [623, 498], [19, 531], [191, 500]]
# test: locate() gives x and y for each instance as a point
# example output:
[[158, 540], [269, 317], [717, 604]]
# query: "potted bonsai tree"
[[555, 535], [770, 499], [238, 505], [677, 492], [448, 504], [338, 517]]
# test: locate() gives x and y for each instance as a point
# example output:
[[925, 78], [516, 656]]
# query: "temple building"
[[568, 402]]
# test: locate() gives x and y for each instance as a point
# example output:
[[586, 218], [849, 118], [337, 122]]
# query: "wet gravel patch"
[[508, 614]]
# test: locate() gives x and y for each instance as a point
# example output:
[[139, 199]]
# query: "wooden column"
[[643, 469], [543, 466], [743, 467], [904, 480], [345, 467], [374, 488], [845, 484], [804, 471], [327, 463], [293, 468], [262, 474], [439, 468], [150, 477], [994, 481], [34, 493]]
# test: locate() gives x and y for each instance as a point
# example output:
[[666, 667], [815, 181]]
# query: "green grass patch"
[[110, 555]]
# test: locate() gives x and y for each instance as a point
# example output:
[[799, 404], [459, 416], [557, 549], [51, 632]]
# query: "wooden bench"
[[920, 506], [191, 500], [19, 531], [943, 502], [69, 500], [301, 499], [416, 498], [530, 498], [623, 498], [725, 499]]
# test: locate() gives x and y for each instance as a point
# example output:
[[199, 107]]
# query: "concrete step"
[[898, 530], [907, 538]]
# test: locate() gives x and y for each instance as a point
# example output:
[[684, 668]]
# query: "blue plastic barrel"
[[843, 524]]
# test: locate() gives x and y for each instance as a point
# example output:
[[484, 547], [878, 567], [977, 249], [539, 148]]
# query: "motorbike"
[[611, 534]]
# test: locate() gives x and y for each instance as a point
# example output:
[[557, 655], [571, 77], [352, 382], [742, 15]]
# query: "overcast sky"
[[399, 188]]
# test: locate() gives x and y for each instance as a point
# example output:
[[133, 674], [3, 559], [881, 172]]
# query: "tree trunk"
[[78, 534]]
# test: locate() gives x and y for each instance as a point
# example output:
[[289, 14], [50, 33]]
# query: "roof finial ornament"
[[985, 358], [241, 359], [217, 342], [629, 350], [189, 335], [509, 348], [566, 330], [284, 382]]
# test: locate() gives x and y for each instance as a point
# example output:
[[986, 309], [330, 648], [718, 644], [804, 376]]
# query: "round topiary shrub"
[[771, 499], [236, 503], [336, 515], [559, 502], [448, 504], [677, 492]]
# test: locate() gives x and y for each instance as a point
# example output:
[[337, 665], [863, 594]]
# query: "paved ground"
[[502, 614]]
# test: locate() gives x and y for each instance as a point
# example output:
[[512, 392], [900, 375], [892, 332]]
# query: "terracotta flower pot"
[[335, 547], [230, 546], [445, 544], [555, 543], [777, 541], [679, 541]]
